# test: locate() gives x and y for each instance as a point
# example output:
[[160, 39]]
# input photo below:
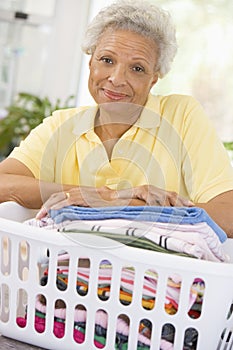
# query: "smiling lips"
[[116, 96]]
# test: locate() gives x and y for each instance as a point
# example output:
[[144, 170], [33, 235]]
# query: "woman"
[[132, 148]]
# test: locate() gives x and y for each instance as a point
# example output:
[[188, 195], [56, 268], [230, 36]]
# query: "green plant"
[[229, 148], [25, 113], [228, 145]]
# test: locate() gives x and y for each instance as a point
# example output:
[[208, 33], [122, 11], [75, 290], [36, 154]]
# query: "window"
[[203, 66]]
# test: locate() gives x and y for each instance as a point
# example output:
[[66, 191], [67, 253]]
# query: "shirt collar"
[[86, 121], [149, 118]]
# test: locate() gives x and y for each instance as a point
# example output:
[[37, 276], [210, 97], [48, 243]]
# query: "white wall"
[[45, 49], [64, 62]]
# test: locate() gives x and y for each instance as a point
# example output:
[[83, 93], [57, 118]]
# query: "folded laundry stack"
[[188, 231]]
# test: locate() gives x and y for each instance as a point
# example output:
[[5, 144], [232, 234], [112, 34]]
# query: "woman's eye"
[[138, 69], [106, 60]]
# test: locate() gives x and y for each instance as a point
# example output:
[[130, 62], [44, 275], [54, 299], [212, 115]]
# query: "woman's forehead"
[[126, 41]]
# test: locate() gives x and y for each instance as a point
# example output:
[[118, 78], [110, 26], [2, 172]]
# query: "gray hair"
[[140, 17]]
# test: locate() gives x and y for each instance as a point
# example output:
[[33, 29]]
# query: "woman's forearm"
[[220, 209], [222, 215], [27, 191]]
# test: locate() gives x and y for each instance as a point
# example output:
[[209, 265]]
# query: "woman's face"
[[122, 68]]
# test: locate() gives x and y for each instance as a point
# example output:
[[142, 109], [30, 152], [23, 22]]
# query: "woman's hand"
[[152, 195], [84, 196]]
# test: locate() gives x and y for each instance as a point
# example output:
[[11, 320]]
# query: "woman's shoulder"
[[64, 114], [180, 110], [62, 117], [176, 100], [179, 106]]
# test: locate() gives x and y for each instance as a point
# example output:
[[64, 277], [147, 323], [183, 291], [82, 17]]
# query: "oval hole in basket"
[[83, 275], [122, 331], [104, 280], [149, 289], [42, 266], [44, 278], [230, 311], [43, 273], [59, 318], [167, 335], [172, 294], [4, 302], [197, 292], [40, 313], [144, 333], [63, 262], [80, 318], [127, 285], [21, 307], [5, 255], [23, 261], [24, 250], [101, 328], [191, 339]]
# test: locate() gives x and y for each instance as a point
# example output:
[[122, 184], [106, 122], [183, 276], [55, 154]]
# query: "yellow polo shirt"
[[172, 145]]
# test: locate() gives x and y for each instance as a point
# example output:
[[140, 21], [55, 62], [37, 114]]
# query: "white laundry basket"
[[20, 272]]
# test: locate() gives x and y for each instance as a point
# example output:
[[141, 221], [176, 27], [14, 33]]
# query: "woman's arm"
[[220, 209], [17, 183]]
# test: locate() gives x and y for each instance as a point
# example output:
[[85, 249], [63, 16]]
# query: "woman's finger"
[[55, 201], [41, 213], [181, 202], [127, 193]]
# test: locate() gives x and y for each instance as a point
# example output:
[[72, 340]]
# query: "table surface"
[[11, 344]]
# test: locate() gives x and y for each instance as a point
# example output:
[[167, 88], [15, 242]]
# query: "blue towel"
[[175, 215]]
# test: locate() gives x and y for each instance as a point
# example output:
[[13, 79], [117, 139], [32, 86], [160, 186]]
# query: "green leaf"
[[24, 114]]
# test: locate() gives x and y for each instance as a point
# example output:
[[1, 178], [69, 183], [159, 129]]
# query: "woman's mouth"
[[113, 95]]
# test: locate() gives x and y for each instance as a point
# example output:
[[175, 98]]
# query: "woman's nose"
[[118, 75]]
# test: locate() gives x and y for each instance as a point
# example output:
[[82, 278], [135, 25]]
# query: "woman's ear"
[[155, 79], [90, 60]]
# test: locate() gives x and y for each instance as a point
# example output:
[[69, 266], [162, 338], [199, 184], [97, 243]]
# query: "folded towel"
[[177, 215], [197, 240]]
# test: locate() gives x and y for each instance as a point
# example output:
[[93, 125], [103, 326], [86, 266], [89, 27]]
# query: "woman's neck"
[[116, 118], [111, 123]]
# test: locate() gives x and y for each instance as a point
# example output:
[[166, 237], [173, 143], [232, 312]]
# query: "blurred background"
[[41, 59]]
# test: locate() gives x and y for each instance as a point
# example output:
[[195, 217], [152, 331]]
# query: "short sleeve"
[[206, 166]]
